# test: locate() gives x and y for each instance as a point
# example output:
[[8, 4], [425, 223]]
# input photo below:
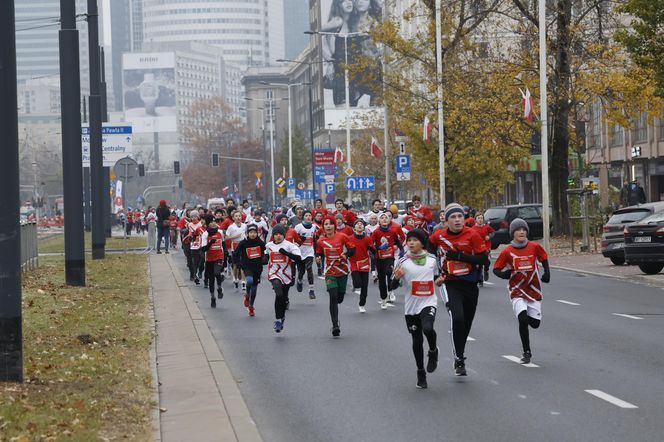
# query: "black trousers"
[[461, 306], [306, 265], [280, 298], [214, 271], [190, 263], [419, 326], [361, 281], [384, 269], [198, 261], [526, 321]]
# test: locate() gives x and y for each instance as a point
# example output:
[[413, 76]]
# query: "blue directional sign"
[[403, 167], [305, 194], [330, 188], [361, 183], [321, 171], [290, 183]]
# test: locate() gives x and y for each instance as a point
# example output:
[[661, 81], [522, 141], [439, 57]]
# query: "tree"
[[301, 157], [643, 40]]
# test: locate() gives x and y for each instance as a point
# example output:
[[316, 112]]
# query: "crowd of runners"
[[408, 254]]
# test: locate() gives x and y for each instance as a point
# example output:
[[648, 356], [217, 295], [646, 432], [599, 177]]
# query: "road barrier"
[[29, 249]]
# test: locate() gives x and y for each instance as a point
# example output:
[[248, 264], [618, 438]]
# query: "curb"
[[154, 385], [589, 272]]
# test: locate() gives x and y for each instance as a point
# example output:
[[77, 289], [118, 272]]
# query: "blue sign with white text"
[[361, 183], [290, 183], [330, 188], [403, 163]]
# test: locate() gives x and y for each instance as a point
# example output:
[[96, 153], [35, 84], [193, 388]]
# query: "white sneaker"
[[392, 297], [383, 305], [363, 309], [357, 291]]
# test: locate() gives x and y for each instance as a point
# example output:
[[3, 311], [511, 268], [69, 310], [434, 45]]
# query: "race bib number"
[[524, 263], [363, 264], [333, 254], [421, 288], [387, 253], [308, 242], [458, 268], [254, 252], [278, 258]]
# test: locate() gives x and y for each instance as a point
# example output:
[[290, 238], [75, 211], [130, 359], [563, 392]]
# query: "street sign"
[[305, 194], [116, 143], [290, 193], [330, 188], [126, 168], [329, 179], [402, 148], [258, 174], [403, 167], [321, 171], [290, 183], [300, 186], [280, 189], [324, 157], [361, 183], [349, 171], [280, 182]]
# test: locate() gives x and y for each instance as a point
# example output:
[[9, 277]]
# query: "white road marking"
[[518, 361], [562, 301], [611, 399], [626, 316], [489, 283], [523, 396], [494, 382], [555, 413], [471, 338]]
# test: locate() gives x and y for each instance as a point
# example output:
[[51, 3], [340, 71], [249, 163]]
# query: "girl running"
[[370, 228], [360, 264], [212, 243], [336, 248], [486, 232], [281, 255], [195, 230], [306, 231], [518, 263], [236, 232], [385, 241], [249, 256]]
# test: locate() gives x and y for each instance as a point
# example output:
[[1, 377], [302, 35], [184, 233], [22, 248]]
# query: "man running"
[[306, 231], [282, 254]]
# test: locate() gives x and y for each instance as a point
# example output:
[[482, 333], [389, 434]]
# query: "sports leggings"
[[384, 268], [336, 298], [210, 276], [252, 286], [361, 281], [306, 265], [196, 261], [280, 298], [524, 322], [461, 306], [419, 325]]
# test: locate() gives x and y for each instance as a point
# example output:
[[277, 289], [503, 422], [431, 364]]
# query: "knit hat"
[[394, 209], [359, 220], [452, 208], [162, 202], [331, 218], [339, 216], [419, 235], [280, 217], [279, 230], [516, 224], [252, 227]]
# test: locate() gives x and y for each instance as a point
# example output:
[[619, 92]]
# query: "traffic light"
[[141, 170], [215, 160], [180, 183], [176, 167]]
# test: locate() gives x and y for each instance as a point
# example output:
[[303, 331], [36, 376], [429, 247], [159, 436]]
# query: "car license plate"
[[642, 239], [619, 245]]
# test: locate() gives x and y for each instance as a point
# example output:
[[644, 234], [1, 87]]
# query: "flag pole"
[[439, 96], [544, 119]]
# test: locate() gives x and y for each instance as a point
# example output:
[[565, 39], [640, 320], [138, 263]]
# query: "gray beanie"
[[452, 208], [278, 230], [517, 223]]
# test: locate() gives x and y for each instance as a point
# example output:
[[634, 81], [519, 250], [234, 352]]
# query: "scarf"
[[519, 245], [418, 258]]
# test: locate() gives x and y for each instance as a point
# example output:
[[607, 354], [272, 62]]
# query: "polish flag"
[[339, 156], [426, 129], [528, 104], [225, 189], [235, 189], [376, 151], [259, 183]]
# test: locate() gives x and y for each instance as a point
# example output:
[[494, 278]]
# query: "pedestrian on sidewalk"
[[249, 256], [151, 220], [360, 262], [419, 272], [335, 248], [518, 263], [163, 225], [212, 244], [462, 255], [281, 255]]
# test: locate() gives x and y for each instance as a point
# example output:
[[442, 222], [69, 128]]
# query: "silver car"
[[613, 239]]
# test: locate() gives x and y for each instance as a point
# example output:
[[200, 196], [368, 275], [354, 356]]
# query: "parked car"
[[644, 243], [613, 238], [500, 217]]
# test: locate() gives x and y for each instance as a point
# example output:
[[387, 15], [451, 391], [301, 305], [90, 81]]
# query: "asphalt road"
[[597, 375]]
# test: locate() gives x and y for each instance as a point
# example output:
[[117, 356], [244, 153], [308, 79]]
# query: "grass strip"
[[56, 244]]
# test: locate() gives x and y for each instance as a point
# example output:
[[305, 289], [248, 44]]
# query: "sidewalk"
[[198, 397]]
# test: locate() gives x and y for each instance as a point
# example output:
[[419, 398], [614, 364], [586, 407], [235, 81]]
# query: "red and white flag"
[[339, 156], [426, 129], [528, 105], [225, 189], [376, 151], [259, 183], [235, 189]]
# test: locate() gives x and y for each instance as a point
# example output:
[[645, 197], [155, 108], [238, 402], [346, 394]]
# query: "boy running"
[[360, 263], [306, 232], [486, 232], [281, 255], [236, 232], [518, 263], [385, 241], [249, 256], [212, 243]]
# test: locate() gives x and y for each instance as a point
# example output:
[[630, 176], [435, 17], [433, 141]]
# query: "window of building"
[[641, 128], [617, 135]]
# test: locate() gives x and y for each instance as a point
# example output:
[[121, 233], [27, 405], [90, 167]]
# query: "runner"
[[377, 208], [236, 232], [518, 263], [348, 216], [249, 256], [319, 208], [409, 224], [486, 232], [258, 221], [195, 230], [461, 255], [419, 272], [212, 243], [306, 232], [360, 263], [341, 225], [370, 228], [336, 249], [385, 240], [281, 255], [422, 214]]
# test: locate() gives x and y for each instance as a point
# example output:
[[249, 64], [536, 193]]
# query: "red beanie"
[[162, 202]]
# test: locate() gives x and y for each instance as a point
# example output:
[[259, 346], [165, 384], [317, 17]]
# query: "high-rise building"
[[296, 21], [251, 33]]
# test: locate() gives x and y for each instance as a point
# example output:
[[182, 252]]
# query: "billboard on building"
[[349, 17], [148, 81]]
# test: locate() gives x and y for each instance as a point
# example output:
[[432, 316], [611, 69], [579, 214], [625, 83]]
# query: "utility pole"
[[386, 119], [439, 99], [107, 169], [72, 161], [96, 152], [545, 123], [11, 332]]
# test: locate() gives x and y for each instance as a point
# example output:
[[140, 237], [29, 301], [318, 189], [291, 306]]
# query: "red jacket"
[[422, 216], [360, 261]]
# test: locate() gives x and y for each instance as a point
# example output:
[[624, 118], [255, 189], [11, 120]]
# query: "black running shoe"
[[299, 286], [220, 293], [197, 281], [526, 357], [213, 302], [288, 304], [486, 275], [421, 379], [336, 331], [205, 285], [432, 363], [460, 367]]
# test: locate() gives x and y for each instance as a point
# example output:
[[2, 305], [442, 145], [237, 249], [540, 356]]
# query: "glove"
[[546, 277], [504, 274], [453, 255], [383, 246], [212, 241], [283, 251]]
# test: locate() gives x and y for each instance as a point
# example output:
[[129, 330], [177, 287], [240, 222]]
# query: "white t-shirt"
[[307, 235], [371, 229], [239, 232], [280, 266], [418, 282]]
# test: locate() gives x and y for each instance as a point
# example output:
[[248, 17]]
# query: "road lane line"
[[626, 316], [489, 283], [471, 339], [562, 301], [611, 399], [518, 361]]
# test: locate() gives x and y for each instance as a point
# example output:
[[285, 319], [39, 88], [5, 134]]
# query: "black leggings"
[[210, 274], [190, 264], [419, 325], [306, 265], [361, 281], [524, 322], [196, 262], [461, 305], [336, 298], [280, 298], [384, 269], [252, 285]]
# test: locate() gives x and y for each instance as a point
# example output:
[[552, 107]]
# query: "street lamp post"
[[439, 99], [270, 113], [262, 110], [544, 117]]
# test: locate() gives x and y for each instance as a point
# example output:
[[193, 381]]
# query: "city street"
[[596, 372]]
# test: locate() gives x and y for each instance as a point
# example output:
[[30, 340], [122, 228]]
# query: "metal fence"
[[29, 250]]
